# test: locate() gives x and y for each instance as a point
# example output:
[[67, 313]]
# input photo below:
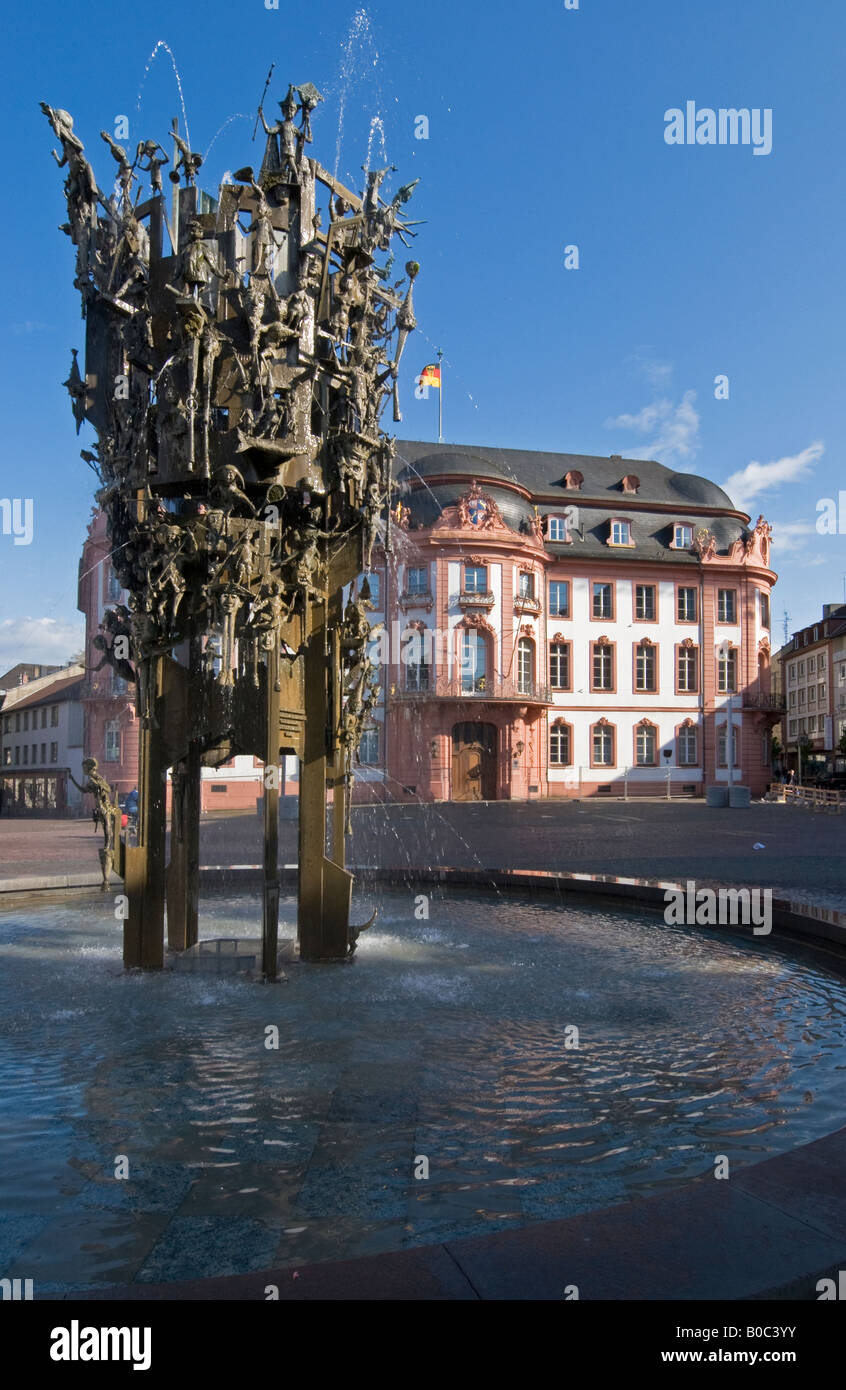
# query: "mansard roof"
[[543, 474], [520, 480]]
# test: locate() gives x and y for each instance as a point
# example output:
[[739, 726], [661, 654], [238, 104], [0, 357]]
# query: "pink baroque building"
[[561, 625]]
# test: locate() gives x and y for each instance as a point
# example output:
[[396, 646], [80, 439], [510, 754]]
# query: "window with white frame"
[[686, 608], [727, 671], [559, 665], [645, 667], [559, 745], [556, 528], [603, 666], [602, 739], [603, 600], [726, 605], [475, 579], [688, 673], [368, 748], [621, 532], [417, 579], [646, 745], [682, 536], [112, 752], [645, 607], [559, 598], [721, 745], [525, 665], [687, 741]]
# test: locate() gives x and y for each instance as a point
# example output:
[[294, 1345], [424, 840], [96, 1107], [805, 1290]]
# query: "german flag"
[[431, 376]]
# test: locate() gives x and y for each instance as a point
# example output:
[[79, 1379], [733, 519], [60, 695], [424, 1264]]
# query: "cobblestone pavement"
[[804, 852]]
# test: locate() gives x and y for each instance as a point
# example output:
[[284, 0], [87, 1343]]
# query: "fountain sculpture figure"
[[237, 360]]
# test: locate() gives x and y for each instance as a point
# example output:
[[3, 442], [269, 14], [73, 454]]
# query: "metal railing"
[[772, 700], [812, 798], [474, 598], [495, 687]]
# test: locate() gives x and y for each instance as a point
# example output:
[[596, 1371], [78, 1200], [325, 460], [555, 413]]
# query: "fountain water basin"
[[502, 1062]]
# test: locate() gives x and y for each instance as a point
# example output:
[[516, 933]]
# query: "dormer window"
[[574, 480], [621, 532], [556, 529], [630, 483], [682, 536]]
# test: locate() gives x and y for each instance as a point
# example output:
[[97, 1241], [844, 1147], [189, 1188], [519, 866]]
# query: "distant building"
[[560, 625], [41, 725], [813, 675], [23, 672]]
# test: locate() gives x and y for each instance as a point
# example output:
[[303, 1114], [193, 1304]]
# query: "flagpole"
[[440, 398]]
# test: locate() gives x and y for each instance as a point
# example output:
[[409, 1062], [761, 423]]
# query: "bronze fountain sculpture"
[[237, 360]]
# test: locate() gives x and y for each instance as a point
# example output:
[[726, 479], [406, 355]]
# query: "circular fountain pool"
[[449, 1039]]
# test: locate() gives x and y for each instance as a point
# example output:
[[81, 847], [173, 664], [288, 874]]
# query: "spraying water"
[[376, 122], [236, 116], [161, 44], [358, 55]]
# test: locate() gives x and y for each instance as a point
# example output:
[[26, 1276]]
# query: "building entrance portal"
[[473, 762]]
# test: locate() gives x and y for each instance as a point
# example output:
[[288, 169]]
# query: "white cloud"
[[673, 427], [43, 640], [756, 478], [657, 373], [789, 535]]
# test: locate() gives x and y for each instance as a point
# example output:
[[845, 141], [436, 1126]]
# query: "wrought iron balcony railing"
[[459, 687], [417, 598], [527, 603], [474, 598], [774, 700]]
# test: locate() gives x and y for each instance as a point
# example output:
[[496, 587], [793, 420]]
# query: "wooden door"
[[473, 762]]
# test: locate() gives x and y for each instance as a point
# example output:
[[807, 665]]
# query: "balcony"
[[472, 598], [526, 603], [417, 598], [773, 702], [498, 688]]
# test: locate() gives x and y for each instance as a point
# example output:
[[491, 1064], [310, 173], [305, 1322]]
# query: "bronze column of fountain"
[[237, 360]]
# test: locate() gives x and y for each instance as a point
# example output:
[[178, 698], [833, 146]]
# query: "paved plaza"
[[802, 855]]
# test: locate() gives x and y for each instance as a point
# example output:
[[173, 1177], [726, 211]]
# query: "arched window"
[[602, 744], [646, 745], [525, 665], [560, 745]]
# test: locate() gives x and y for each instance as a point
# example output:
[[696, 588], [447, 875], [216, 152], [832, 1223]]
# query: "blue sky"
[[546, 129]]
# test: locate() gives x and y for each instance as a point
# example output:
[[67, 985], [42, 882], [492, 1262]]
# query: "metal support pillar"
[[270, 897]]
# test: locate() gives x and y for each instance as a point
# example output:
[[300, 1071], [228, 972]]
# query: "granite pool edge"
[[772, 1231]]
